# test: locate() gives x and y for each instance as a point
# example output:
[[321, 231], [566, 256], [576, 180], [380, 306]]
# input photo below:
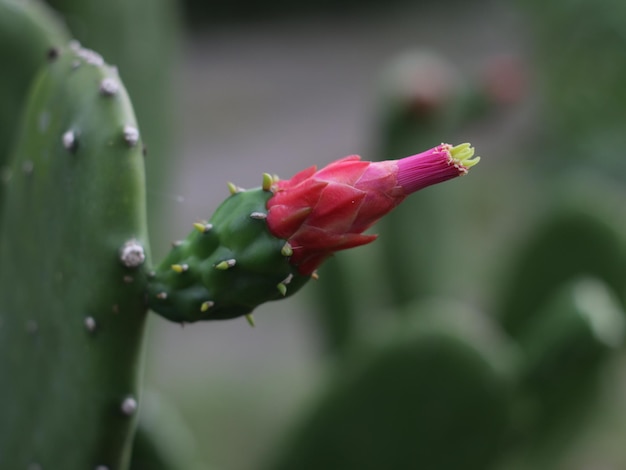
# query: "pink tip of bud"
[[434, 166]]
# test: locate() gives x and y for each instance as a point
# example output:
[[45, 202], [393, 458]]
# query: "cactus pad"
[[72, 312], [434, 396], [19, 20]]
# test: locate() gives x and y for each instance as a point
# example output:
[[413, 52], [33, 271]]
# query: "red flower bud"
[[320, 212]]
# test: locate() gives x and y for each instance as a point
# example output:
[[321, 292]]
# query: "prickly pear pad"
[[226, 267], [72, 241]]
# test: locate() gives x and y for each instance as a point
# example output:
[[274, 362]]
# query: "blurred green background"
[[484, 329]]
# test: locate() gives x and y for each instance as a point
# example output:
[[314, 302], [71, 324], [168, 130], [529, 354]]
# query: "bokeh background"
[[501, 293]]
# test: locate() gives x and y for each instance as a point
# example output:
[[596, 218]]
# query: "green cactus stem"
[[72, 245], [566, 347], [29, 31], [435, 395], [570, 240], [226, 266]]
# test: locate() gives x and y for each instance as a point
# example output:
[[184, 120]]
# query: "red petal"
[[306, 194], [337, 208], [347, 170], [283, 221], [307, 260]]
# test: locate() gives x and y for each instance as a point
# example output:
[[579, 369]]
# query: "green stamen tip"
[[282, 288], [267, 182], [462, 155], [250, 320]]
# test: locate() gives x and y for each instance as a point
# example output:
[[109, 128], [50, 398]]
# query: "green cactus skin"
[[226, 267], [568, 241], [336, 312], [434, 396], [163, 440], [28, 31], [579, 49], [566, 347], [141, 38], [73, 238]]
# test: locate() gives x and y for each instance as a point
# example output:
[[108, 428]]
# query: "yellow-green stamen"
[[462, 155]]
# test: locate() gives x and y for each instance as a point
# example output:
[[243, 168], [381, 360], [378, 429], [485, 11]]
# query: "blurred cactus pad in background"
[[482, 330]]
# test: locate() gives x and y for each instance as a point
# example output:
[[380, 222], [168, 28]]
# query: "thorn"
[[75, 64], [288, 279], [144, 150], [233, 189], [161, 295], [267, 182], [176, 243], [102, 467], [132, 254], [250, 320], [109, 87], [226, 264], [286, 250], [180, 268], [203, 227], [206, 305], [90, 324], [129, 406], [128, 279], [70, 141], [258, 215], [131, 135], [315, 276], [282, 288], [115, 308], [151, 274]]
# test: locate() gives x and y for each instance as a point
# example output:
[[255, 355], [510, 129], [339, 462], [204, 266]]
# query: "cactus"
[[578, 47], [73, 239], [572, 238], [566, 346], [433, 393], [141, 38], [19, 19], [163, 441]]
